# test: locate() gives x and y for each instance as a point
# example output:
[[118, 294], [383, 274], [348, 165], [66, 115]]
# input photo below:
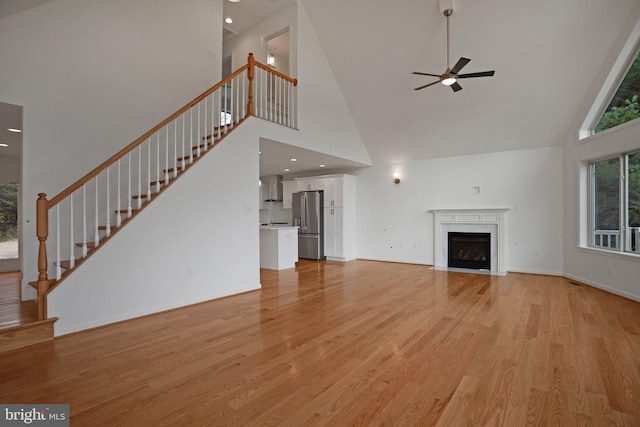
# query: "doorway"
[[10, 177], [278, 51]]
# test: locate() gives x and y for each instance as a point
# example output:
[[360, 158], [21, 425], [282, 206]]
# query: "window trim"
[[623, 203], [610, 85]]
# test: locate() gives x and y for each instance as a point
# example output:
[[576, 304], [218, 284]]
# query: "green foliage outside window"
[[625, 105], [8, 211]]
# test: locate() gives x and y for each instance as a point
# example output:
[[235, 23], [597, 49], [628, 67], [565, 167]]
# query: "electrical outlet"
[[189, 273], [609, 270], [536, 252]]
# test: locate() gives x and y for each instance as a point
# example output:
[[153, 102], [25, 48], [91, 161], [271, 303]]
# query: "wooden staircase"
[[104, 201], [91, 247]]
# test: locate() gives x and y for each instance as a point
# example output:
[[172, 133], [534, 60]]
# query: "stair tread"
[[89, 244], [178, 168], [66, 264]]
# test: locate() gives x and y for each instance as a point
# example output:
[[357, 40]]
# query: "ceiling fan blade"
[[480, 74], [459, 65], [456, 87], [430, 84], [426, 74]]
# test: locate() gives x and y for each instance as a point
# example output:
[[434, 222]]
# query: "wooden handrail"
[[277, 73], [44, 285], [79, 183]]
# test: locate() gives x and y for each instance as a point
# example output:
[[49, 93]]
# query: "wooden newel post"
[[250, 75], [42, 232]]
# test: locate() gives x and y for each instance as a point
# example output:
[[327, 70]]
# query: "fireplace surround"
[[491, 221]]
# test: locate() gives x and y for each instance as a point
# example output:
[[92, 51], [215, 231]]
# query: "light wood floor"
[[14, 312], [362, 343]]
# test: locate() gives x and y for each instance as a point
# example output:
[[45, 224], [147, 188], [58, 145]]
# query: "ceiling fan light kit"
[[450, 76]]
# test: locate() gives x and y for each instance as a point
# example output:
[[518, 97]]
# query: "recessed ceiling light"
[[235, 1], [228, 20], [286, 170], [14, 130], [322, 166], [3, 145], [294, 160]]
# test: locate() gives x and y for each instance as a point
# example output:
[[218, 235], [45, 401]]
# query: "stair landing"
[[19, 325]]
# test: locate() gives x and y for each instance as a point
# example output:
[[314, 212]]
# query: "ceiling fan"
[[450, 76]]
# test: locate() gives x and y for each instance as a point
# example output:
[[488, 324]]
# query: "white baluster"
[[205, 140], [234, 99], [58, 268], [166, 160], [198, 133], [96, 235], [148, 173], [277, 107], [295, 106], [219, 115], [261, 91], [108, 225], [287, 86], [72, 249], [118, 215], [226, 106], [183, 160], [129, 210], [139, 176], [175, 148], [271, 96], [158, 163], [84, 221], [191, 135], [243, 95]]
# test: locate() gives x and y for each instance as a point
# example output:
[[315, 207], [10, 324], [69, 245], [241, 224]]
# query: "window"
[[615, 103], [625, 105], [615, 203], [8, 220]]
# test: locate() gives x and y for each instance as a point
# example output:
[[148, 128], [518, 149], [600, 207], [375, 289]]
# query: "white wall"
[[325, 123], [93, 76], [197, 241], [394, 223], [587, 265]]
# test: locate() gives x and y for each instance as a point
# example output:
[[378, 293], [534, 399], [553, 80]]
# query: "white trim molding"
[[492, 220]]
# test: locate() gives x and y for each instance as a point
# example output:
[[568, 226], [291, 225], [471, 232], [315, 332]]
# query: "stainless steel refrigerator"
[[308, 215]]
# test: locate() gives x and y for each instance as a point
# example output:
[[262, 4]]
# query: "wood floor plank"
[[357, 343]]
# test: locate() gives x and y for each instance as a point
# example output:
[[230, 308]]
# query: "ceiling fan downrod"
[[448, 13]]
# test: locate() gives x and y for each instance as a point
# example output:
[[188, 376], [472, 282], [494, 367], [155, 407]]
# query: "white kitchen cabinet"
[[339, 213], [310, 185], [288, 188], [334, 233], [333, 192]]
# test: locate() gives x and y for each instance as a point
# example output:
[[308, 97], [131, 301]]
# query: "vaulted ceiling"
[[549, 58]]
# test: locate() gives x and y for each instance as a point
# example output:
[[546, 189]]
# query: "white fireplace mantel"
[[491, 221]]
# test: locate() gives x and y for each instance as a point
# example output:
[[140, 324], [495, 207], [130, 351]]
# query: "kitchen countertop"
[[277, 227]]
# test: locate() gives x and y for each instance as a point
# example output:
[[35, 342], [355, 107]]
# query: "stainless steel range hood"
[[272, 188]]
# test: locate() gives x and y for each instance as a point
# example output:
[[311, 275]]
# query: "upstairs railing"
[[73, 224]]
